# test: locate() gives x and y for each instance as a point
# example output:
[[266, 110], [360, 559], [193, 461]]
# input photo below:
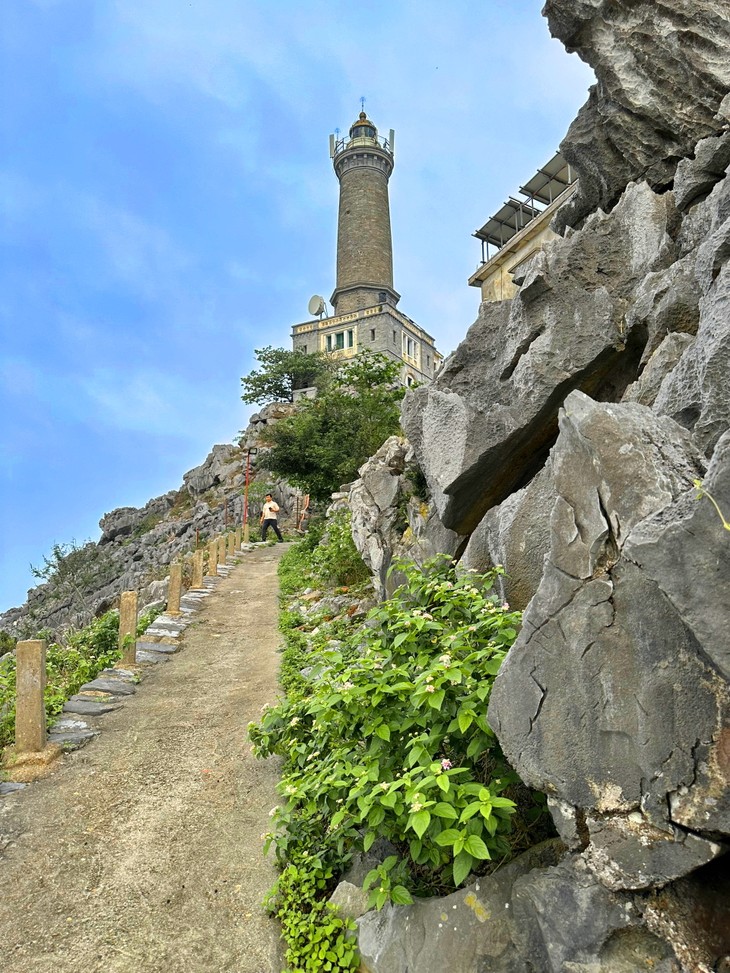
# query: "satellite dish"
[[316, 306]]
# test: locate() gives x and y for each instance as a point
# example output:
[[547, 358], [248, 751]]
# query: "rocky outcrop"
[[563, 438], [482, 429], [137, 544], [389, 518], [662, 72]]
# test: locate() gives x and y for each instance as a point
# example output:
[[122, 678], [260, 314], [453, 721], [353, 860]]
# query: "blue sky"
[[168, 205]]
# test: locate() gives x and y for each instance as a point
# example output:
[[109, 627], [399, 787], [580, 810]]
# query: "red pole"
[[245, 489]]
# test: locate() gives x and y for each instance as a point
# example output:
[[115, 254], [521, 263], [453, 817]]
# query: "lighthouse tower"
[[363, 164], [366, 317]]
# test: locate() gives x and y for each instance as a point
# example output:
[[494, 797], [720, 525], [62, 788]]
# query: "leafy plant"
[[324, 442], [317, 937], [282, 372], [393, 742]]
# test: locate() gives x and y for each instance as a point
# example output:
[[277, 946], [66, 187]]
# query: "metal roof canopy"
[[544, 187]]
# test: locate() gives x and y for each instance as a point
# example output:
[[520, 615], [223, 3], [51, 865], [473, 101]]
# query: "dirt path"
[[142, 853]]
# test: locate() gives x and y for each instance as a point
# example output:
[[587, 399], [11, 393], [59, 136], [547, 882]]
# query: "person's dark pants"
[[265, 529]]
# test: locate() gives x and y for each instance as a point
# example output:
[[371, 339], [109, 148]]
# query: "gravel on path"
[[142, 852]]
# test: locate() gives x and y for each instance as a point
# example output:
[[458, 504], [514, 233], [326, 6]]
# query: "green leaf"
[[476, 847], [400, 639], [420, 822], [465, 718], [436, 699], [389, 799], [470, 810], [448, 837], [443, 781], [368, 840], [383, 731], [401, 896], [444, 810], [462, 866]]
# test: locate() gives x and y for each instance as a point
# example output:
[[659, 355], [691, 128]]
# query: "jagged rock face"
[[484, 426], [389, 521], [662, 72], [223, 464], [611, 699]]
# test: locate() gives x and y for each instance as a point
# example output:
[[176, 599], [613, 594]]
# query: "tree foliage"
[[322, 445], [282, 372]]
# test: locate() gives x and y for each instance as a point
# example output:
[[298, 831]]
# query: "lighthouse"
[[364, 301], [363, 163]]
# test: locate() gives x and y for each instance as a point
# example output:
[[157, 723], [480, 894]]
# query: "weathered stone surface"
[[695, 393], [85, 706], [7, 788], [646, 388], [515, 534], [221, 463], [146, 657], [470, 930], [597, 626], [629, 853], [389, 521], [117, 687], [484, 426], [696, 177], [350, 900], [164, 647], [565, 920], [662, 73]]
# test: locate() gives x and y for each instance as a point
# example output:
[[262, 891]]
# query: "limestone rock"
[[221, 463], [515, 534], [350, 900], [696, 177], [646, 388], [607, 697], [470, 930], [662, 72], [565, 920], [389, 521], [695, 393], [484, 426]]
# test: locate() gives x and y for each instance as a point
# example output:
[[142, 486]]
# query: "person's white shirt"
[[271, 509]]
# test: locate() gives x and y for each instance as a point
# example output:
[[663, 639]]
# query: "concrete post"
[[128, 627], [197, 581], [212, 558], [247, 533], [222, 549], [231, 549], [30, 684], [174, 589], [238, 538]]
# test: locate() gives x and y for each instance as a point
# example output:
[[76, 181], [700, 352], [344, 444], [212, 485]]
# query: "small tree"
[[282, 372], [322, 445]]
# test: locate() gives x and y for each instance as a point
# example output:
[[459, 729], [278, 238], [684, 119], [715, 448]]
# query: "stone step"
[[85, 706], [9, 787], [164, 647], [150, 657], [71, 734], [116, 687]]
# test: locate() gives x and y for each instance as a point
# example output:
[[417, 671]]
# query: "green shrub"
[[68, 667], [317, 938], [391, 741]]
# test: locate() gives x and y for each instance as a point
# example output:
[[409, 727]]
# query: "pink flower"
[[430, 689], [446, 764], [505, 606]]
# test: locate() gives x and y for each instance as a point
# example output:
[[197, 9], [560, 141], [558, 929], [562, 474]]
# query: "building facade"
[[366, 317], [519, 230]]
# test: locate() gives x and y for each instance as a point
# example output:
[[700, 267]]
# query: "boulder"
[[695, 392], [483, 428], [607, 700], [515, 534], [389, 520], [662, 72], [470, 930], [222, 462]]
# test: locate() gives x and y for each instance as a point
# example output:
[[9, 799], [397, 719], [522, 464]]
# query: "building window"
[[340, 340], [409, 347], [428, 359], [372, 334], [304, 349], [394, 336]]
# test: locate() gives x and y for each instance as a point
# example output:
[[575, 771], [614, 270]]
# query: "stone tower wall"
[[364, 247]]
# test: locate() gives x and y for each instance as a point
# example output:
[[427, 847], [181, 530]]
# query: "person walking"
[[269, 518]]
